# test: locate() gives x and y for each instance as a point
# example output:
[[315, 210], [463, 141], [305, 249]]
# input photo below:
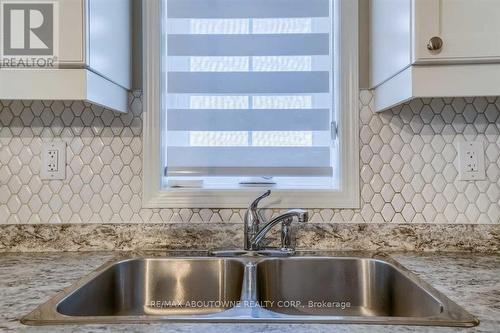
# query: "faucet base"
[[268, 252]]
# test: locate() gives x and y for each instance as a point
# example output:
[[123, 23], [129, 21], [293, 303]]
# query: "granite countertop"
[[29, 279]]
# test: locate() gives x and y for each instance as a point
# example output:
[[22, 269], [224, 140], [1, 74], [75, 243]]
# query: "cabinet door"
[[469, 29], [68, 26], [71, 33]]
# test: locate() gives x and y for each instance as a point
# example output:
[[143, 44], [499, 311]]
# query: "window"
[[242, 95]]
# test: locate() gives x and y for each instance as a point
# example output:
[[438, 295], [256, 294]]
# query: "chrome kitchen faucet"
[[256, 228]]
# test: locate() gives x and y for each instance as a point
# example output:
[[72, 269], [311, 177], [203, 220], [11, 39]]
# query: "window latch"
[[334, 130]]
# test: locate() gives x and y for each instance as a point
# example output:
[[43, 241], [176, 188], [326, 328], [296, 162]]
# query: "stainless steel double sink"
[[324, 288]]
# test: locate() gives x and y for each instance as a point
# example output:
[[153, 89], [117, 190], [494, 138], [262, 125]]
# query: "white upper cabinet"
[[390, 38], [433, 48], [469, 30], [71, 32], [109, 39], [94, 57]]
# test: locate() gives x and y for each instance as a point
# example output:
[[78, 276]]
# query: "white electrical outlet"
[[471, 160], [53, 160]]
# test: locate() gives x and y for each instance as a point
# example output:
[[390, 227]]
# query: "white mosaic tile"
[[408, 157]]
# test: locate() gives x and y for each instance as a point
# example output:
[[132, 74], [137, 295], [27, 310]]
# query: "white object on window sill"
[[257, 181], [185, 183]]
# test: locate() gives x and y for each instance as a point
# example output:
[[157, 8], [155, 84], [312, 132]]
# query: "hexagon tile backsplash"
[[408, 165]]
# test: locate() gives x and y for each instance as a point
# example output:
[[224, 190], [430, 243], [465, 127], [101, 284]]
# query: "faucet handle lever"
[[252, 221], [255, 203]]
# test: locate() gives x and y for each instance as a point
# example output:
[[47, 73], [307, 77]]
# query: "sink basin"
[[342, 287], [324, 288], [157, 287]]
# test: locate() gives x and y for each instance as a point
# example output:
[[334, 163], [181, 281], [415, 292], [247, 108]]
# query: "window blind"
[[248, 88]]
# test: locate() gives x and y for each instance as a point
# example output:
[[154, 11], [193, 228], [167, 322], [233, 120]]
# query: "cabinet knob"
[[435, 44]]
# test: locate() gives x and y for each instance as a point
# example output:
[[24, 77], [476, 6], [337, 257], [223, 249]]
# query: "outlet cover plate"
[[53, 161], [471, 160]]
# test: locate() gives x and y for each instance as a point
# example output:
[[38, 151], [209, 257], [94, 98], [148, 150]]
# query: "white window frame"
[[348, 196]]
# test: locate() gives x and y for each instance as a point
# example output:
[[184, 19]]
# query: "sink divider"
[[249, 288]]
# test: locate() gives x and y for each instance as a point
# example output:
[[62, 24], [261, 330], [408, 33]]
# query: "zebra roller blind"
[[248, 89]]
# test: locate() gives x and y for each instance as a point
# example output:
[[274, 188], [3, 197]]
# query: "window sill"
[[241, 198]]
